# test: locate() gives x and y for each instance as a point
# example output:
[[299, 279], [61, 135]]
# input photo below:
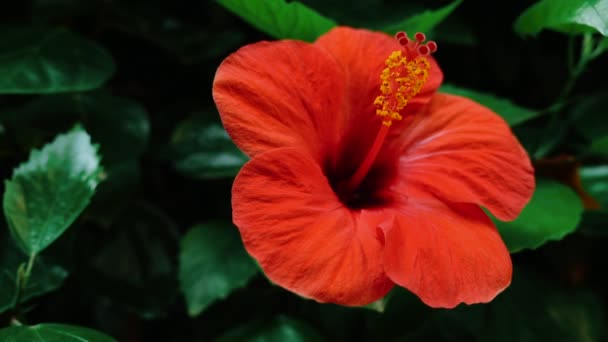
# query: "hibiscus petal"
[[362, 54], [446, 255], [304, 239], [279, 94], [463, 152]]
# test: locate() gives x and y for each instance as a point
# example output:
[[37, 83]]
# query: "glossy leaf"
[[280, 19], [45, 277], [48, 192], [201, 148], [423, 22], [35, 61], [595, 182], [511, 112], [553, 212], [572, 17], [213, 263], [279, 329], [49, 332]]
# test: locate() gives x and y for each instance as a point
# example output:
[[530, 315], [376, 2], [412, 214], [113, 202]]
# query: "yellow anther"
[[401, 80]]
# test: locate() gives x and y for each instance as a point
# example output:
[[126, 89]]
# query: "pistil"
[[405, 73]]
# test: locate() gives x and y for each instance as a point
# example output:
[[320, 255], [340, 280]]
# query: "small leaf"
[[48, 192], [572, 17], [511, 112], [212, 264], [279, 329], [36, 61], [49, 332], [45, 277], [280, 19], [553, 212], [201, 148], [595, 182], [423, 22]]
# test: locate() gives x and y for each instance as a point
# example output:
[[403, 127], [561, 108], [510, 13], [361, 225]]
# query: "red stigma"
[[420, 37], [423, 50], [432, 46], [400, 35]]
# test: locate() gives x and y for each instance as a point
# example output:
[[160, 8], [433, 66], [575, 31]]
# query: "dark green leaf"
[[281, 19], [45, 277], [48, 192], [49, 332], [589, 115], [595, 182], [511, 112], [553, 212], [212, 264], [279, 329], [534, 310], [423, 22], [599, 146], [572, 16], [35, 61], [135, 268], [201, 148], [119, 125]]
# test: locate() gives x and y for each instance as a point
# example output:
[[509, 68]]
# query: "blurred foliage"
[[109, 102]]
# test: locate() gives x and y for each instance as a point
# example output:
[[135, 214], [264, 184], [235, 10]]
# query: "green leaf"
[[280, 19], [572, 17], [589, 115], [48, 192], [599, 146], [201, 148], [279, 329], [595, 181], [49, 332], [212, 264], [135, 268], [553, 212], [120, 125], [512, 113], [532, 309], [423, 22], [36, 61], [45, 277]]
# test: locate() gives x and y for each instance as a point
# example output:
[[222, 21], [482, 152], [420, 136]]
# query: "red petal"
[[362, 54], [279, 94], [446, 255], [465, 153], [293, 224]]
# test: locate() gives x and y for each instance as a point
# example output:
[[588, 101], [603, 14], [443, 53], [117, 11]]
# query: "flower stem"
[[367, 163], [23, 274]]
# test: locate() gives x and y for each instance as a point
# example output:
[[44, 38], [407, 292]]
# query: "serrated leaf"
[[423, 22], [212, 264], [571, 17], [201, 148], [280, 19], [49, 332], [36, 61], [45, 277], [48, 192], [553, 212], [279, 329], [509, 111]]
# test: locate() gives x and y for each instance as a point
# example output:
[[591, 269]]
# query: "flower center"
[[403, 77]]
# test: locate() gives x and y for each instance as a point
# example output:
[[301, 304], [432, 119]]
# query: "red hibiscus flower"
[[362, 176]]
